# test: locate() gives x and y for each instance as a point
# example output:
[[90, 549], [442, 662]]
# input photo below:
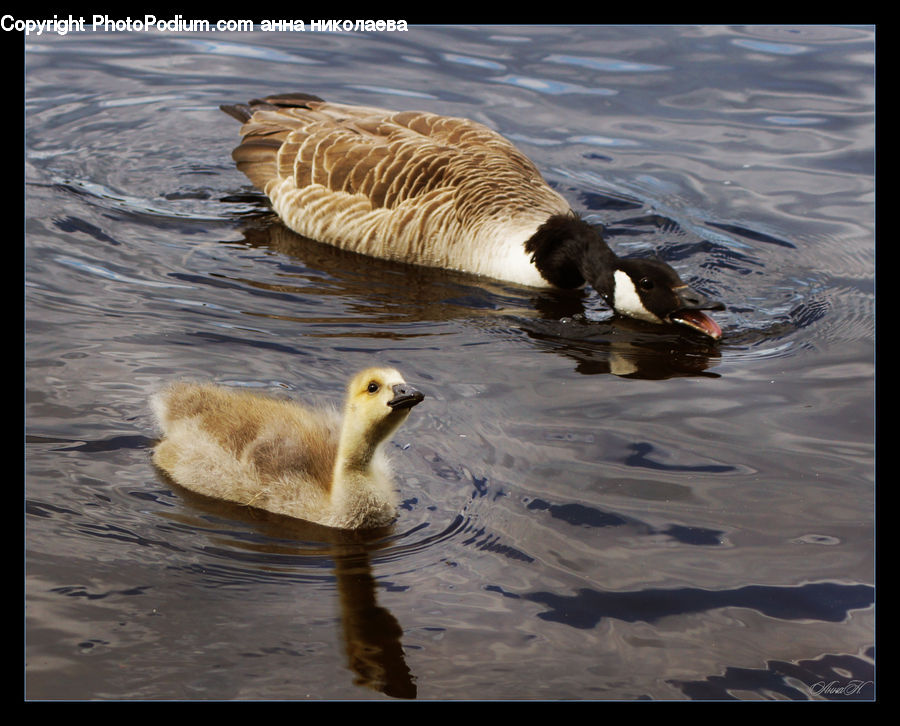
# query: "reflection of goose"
[[282, 457], [443, 192]]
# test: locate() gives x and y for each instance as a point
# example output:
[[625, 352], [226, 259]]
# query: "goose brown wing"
[[404, 185]]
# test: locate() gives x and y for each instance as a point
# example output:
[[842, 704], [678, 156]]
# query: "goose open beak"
[[692, 303], [405, 396]]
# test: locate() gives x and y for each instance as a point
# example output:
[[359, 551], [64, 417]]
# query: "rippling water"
[[592, 509]]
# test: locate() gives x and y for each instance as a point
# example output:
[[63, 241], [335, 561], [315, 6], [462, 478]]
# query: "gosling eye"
[[645, 283], [373, 387]]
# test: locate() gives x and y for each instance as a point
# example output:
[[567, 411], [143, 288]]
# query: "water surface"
[[592, 508]]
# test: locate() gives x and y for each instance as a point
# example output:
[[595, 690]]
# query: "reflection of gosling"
[[279, 456]]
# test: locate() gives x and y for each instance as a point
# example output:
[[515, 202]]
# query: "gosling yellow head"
[[378, 401]]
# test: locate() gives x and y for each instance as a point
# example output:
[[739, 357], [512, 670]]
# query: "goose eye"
[[645, 283], [373, 387]]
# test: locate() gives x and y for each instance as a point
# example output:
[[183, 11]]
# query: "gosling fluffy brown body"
[[308, 463]]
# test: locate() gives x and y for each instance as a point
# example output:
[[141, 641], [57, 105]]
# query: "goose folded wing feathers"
[[439, 191]]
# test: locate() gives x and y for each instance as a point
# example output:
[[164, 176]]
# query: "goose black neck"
[[567, 251]]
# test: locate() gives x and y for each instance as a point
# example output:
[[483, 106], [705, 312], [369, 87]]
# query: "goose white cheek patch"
[[627, 301]]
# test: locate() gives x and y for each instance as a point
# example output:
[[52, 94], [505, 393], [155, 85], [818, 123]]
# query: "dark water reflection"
[[556, 319], [371, 635], [591, 508]]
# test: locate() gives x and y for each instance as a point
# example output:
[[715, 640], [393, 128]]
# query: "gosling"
[[286, 458]]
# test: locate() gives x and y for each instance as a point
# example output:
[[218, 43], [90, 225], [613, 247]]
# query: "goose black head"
[[569, 252], [651, 290]]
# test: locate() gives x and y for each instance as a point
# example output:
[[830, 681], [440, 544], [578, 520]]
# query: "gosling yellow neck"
[[361, 438]]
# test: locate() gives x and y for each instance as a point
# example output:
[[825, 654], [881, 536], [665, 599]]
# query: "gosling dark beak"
[[688, 313], [405, 396]]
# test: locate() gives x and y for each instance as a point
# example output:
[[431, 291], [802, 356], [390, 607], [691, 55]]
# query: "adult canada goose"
[[445, 192], [279, 456]]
